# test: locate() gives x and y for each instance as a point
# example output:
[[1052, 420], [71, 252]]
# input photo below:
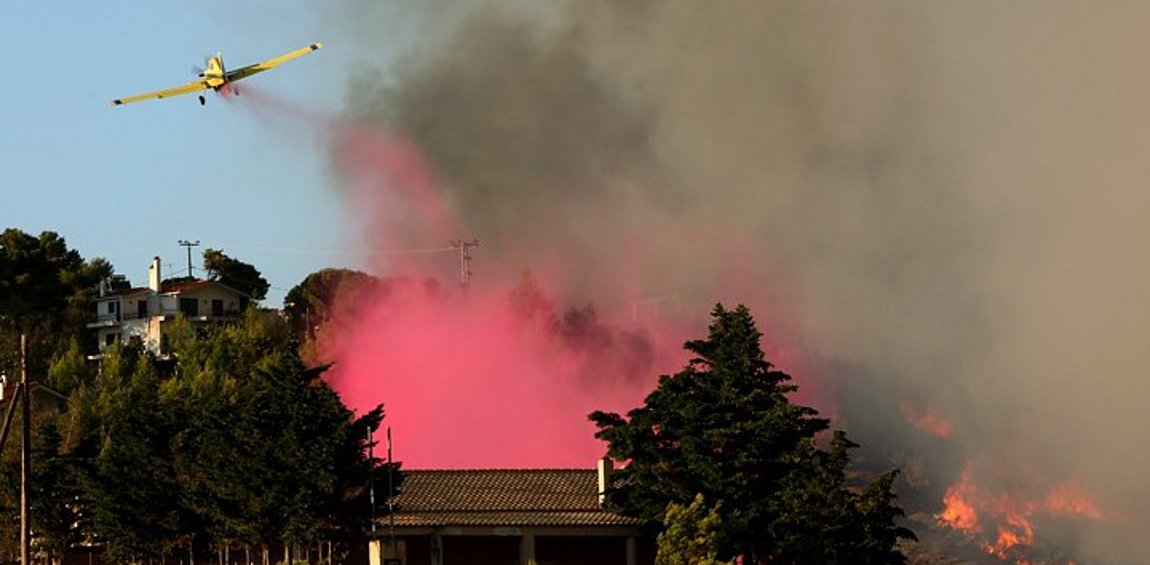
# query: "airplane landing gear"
[[203, 100]]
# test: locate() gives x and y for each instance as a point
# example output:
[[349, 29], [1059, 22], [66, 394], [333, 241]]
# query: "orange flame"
[[927, 419], [966, 507], [958, 512], [1015, 530], [1069, 499]]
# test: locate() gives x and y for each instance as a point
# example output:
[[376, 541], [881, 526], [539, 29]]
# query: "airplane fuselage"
[[214, 74]]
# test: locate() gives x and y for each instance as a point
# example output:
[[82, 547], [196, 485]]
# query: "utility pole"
[[189, 245], [390, 490], [25, 452], [464, 247], [371, 480]]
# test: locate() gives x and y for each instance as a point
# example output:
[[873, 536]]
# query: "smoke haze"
[[942, 201]]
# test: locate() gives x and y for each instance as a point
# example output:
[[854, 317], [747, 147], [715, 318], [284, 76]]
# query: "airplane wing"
[[168, 93], [244, 72]]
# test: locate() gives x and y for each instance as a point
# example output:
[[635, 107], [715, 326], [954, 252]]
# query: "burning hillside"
[[1003, 519], [940, 205]]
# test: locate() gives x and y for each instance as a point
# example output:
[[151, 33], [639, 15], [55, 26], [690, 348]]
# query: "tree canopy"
[[234, 444], [235, 273], [230, 441], [690, 535], [316, 306], [46, 291], [725, 428]]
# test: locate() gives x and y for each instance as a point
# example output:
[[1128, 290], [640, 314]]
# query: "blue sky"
[[126, 183]]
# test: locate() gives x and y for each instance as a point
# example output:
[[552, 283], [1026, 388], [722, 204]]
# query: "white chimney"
[[154, 275], [605, 468]]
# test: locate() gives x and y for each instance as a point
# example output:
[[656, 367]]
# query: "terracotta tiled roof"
[[176, 287], [182, 286], [503, 498]]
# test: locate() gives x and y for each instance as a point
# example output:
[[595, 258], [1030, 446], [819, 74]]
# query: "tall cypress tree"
[[725, 427]]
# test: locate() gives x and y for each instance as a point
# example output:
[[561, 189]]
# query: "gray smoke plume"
[[944, 198]]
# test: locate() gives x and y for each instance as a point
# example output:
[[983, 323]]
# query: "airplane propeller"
[[200, 70]]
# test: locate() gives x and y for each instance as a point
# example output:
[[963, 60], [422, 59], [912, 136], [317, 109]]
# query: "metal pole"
[[390, 490], [25, 452], [189, 245], [464, 247], [371, 478]]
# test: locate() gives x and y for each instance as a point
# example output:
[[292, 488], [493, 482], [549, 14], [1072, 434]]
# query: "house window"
[[109, 340], [217, 307], [141, 308], [111, 307], [190, 307]]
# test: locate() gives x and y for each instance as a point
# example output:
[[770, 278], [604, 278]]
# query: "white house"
[[124, 312]]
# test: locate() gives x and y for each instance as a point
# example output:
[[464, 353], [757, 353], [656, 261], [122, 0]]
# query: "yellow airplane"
[[214, 77]]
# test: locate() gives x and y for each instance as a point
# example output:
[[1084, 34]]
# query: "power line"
[[331, 253]]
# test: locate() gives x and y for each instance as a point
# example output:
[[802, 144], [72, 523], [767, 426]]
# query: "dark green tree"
[[724, 427], [325, 294], [69, 369], [267, 453], [130, 485], [55, 490], [53, 486], [236, 446], [322, 306], [236, 274], [822, 518], [54, 482], [46, 292], [581, 329]]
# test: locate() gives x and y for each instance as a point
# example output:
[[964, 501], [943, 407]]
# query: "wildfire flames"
[[926, 418], [999, 503], [1003, 518], [958, 513]]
